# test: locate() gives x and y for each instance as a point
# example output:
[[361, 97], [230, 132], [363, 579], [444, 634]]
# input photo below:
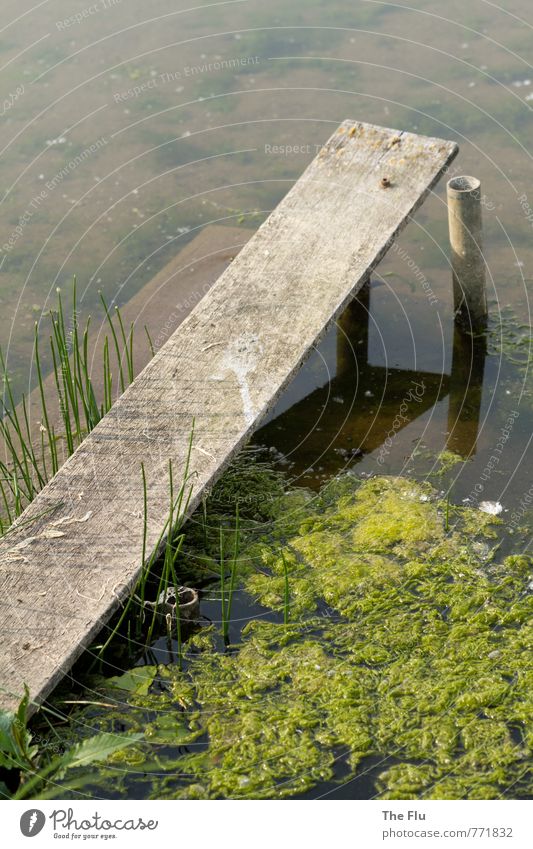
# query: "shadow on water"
[[341, 407]]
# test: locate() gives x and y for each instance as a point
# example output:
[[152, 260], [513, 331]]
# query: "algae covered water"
[[376, 649]]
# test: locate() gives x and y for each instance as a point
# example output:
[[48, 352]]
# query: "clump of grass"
[[29, 461], [167, 549], [206, 553]]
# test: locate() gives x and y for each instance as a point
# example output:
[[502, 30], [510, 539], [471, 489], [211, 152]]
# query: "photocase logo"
[[32, 822]]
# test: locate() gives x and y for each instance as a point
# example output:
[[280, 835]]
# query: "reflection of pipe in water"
[[352, 332], [466, 387]]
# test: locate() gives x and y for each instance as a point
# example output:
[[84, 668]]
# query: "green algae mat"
[[380, 645]]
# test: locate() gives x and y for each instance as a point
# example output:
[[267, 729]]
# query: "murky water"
[[127, 128]]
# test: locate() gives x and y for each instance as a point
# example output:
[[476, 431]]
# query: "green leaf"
[[15, 738], [22, 708], [4, 792], [136, 680], [97, 748], [170, 728], [91, 750], [8, 744], [20, 732]]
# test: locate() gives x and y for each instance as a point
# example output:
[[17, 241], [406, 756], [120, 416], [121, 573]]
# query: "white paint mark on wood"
[[242, 357]]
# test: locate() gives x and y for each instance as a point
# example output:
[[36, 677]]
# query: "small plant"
[[32, 769], [178, 507], [167, 548], [16, 751]]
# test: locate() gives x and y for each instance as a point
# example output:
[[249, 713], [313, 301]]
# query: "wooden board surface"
[[63, 574]]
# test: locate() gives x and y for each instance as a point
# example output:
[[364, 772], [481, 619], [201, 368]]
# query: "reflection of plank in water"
[[321, 431], [224, 366]]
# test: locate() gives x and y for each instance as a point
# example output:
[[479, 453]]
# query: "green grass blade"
[[44, 408], [115, 341]]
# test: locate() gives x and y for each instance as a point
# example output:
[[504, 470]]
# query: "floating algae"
[[404, 655], [510, 340]]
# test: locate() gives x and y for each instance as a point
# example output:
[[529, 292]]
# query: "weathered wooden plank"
[[224, 367]]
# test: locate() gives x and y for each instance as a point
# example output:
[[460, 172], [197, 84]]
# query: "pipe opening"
[[463, 184]]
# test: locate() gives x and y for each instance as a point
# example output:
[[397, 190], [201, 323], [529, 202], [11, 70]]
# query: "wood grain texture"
[[223, 367]]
